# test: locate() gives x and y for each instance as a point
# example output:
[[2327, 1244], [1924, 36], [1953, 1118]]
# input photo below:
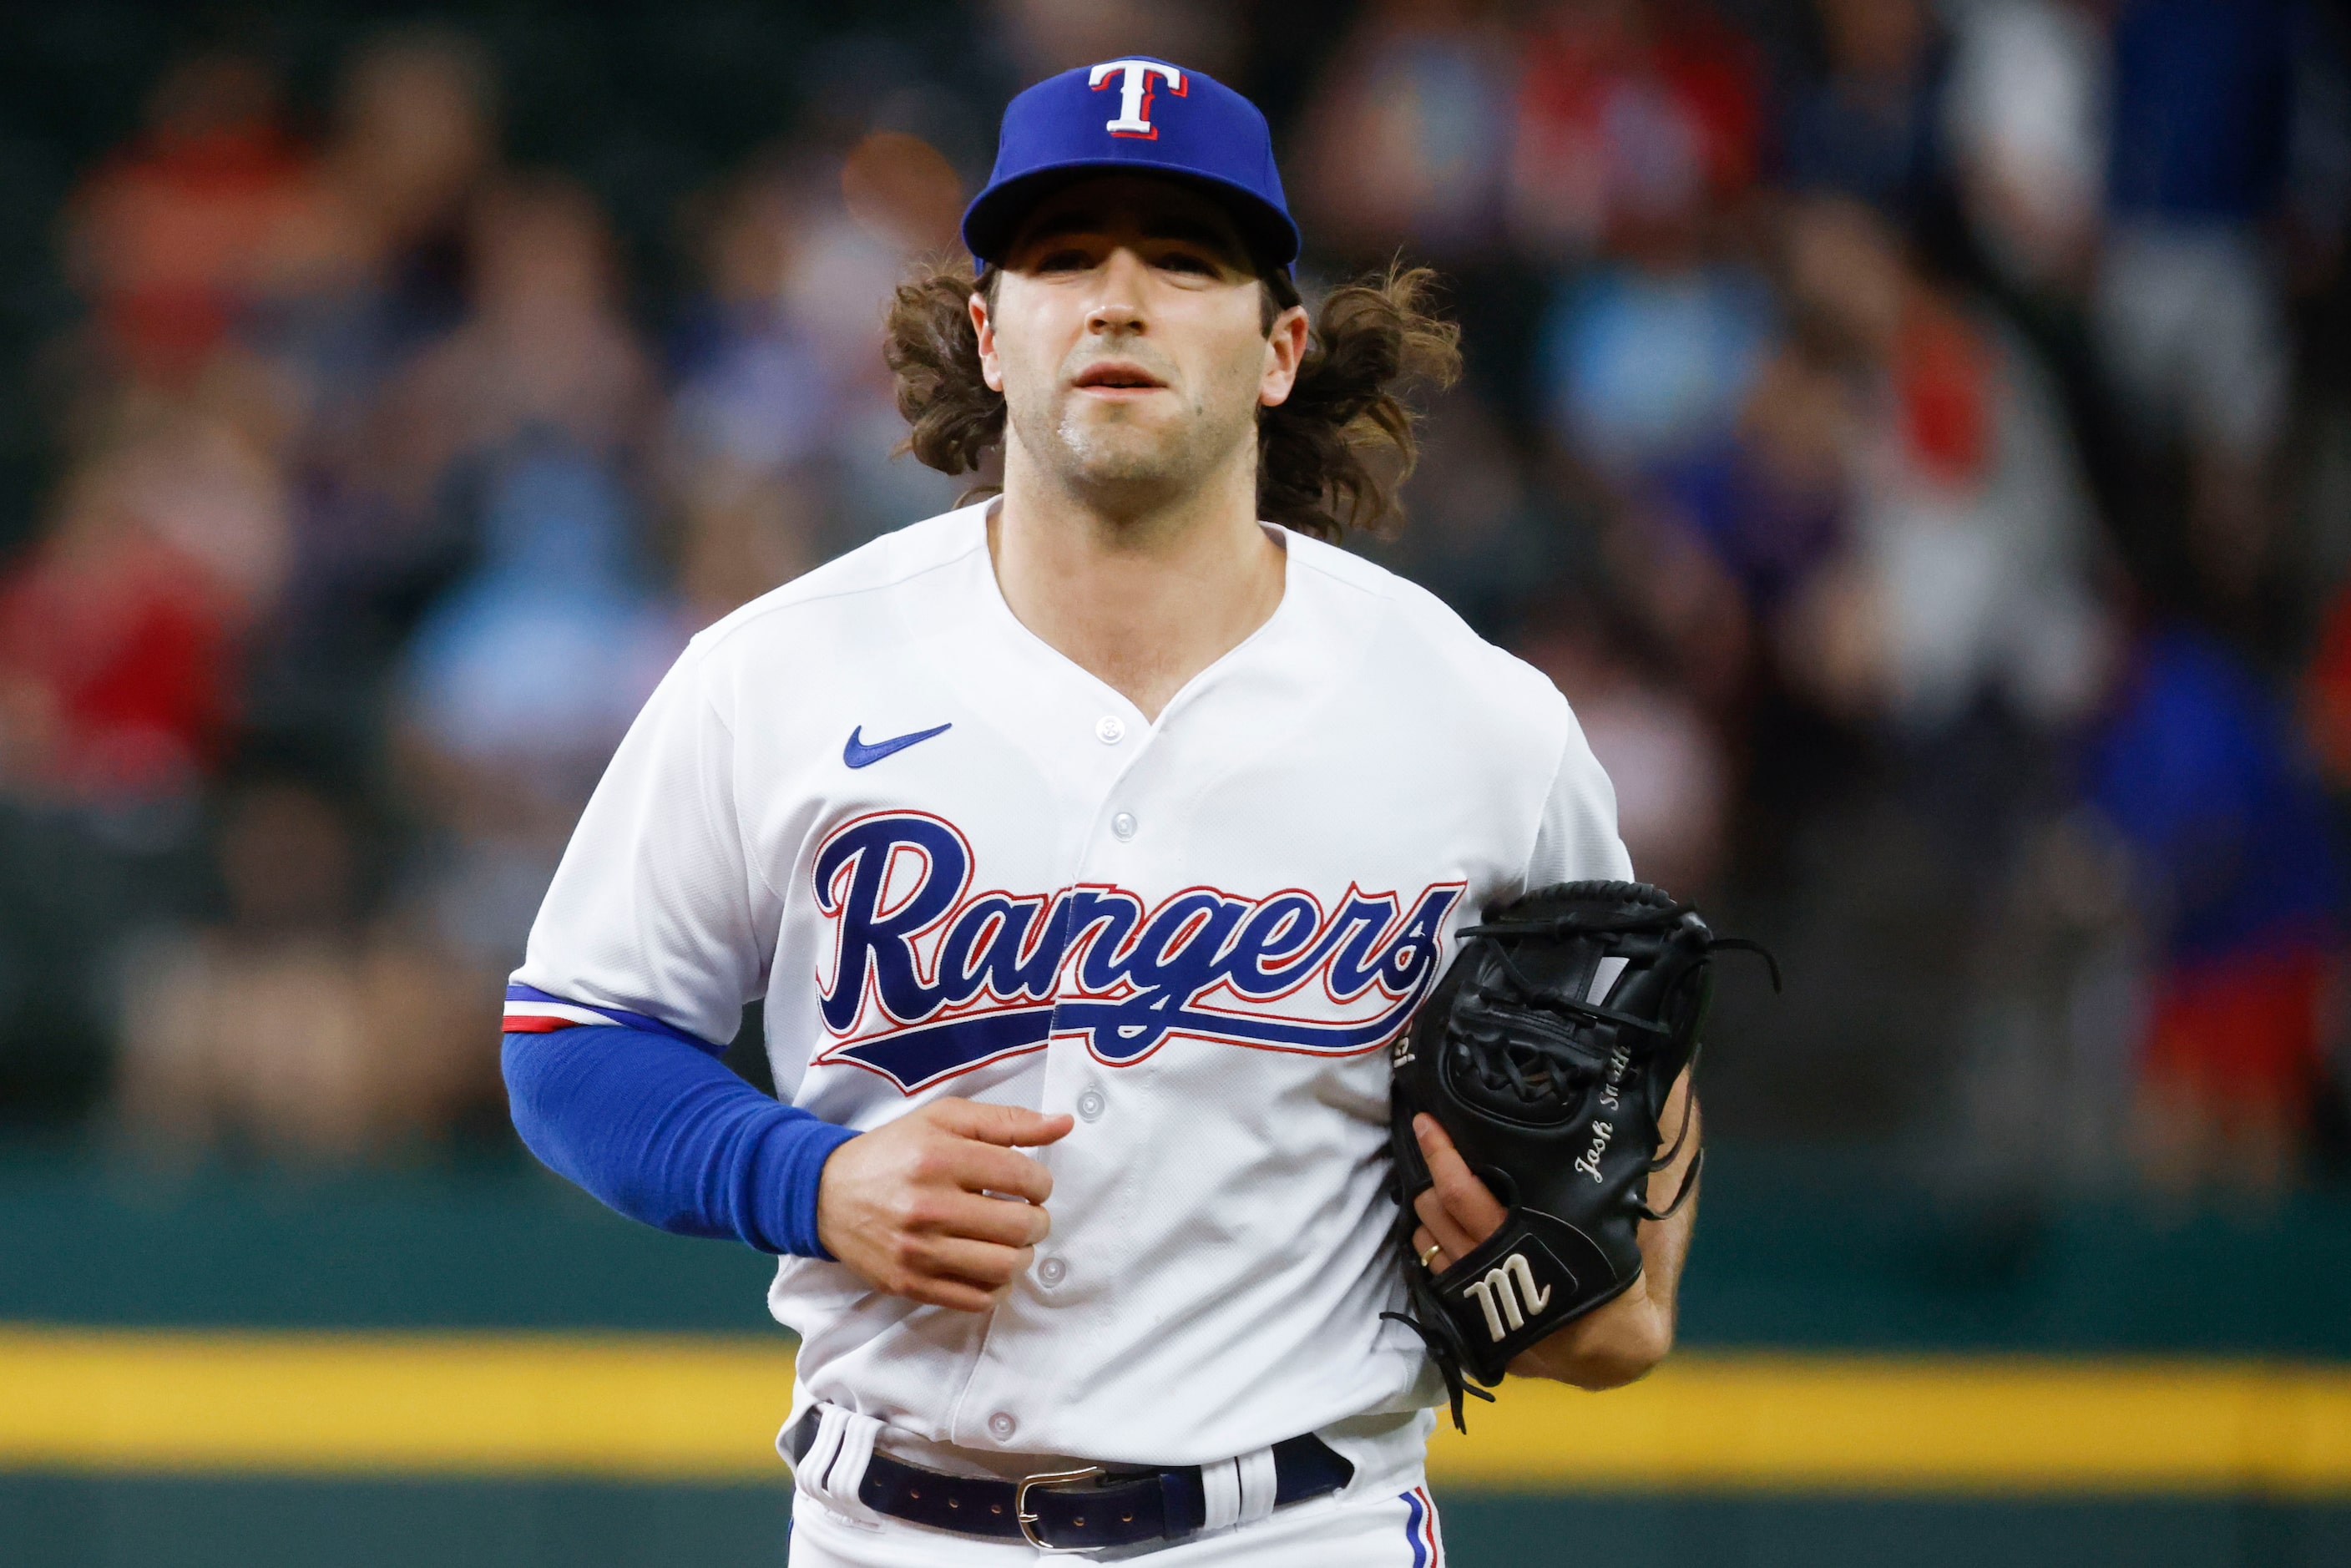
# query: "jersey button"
[[1001, 1426], [1124, 825], [1090, 1103], [1052, 1271], [1110, 729]]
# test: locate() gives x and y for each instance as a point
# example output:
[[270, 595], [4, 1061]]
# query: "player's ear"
[[990, 370], [1285, 350]]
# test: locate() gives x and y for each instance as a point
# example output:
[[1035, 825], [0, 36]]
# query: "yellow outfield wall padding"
[[650, 1408], [1922, 1424], [678, 1408]]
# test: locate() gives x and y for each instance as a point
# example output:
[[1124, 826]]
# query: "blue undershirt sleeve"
[[664, 1132]]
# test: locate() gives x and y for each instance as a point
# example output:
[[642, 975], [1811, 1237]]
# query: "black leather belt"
[[1072, 1511]]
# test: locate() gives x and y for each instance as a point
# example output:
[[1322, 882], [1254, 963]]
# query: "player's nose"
[[1118, 305]]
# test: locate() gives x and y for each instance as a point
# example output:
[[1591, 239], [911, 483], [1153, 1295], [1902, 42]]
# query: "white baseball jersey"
[[954, 863]]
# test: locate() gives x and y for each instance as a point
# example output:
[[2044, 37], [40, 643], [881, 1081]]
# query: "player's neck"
[[1143, 602]]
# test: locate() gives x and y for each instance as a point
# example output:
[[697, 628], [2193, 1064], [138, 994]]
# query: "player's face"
[[1128, 336]]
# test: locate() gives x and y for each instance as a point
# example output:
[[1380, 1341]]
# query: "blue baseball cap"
[[1136, 116]]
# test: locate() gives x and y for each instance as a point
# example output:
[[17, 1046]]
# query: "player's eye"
[[1064, 259], [1188, 262]]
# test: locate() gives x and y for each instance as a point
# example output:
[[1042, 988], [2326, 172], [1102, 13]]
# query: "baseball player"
[[1088, 845]]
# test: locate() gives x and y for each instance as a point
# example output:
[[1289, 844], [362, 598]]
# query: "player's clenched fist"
[[939, 1205]]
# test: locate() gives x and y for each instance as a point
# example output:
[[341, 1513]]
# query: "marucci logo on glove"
[[1507, 1292], [925, 980]]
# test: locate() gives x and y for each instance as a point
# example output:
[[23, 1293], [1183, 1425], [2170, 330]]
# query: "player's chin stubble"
[[1121, 460]]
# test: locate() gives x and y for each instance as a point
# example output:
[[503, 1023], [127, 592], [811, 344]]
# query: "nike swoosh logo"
[[857, 754]]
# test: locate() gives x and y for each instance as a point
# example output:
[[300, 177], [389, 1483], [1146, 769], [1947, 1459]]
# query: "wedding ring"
[[1434, 1249]]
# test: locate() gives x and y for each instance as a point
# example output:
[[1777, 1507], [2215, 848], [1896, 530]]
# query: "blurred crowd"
[[1915, 436]]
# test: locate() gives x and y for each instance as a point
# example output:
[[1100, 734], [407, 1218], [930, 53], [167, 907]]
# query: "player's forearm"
[[1628, 1338], [1665, 1243], [663, 1132]]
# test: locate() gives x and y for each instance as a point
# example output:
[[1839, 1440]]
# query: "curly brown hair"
[[1330, 457]]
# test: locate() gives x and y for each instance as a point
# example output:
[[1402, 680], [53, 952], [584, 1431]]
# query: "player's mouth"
[[1118, 379]]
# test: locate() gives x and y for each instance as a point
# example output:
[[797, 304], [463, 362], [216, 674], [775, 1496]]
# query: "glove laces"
[[1537, 1059]]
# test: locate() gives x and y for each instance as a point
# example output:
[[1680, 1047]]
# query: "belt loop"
[[1220, 1494], [1259, 1476], [823, 1442], [835, 1462], [848, 1471]]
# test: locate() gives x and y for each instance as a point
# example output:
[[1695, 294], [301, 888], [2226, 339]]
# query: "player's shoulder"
[[1428, 633], [841, 590]]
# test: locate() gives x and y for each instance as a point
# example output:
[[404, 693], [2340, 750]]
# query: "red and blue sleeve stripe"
[[530, 1011]]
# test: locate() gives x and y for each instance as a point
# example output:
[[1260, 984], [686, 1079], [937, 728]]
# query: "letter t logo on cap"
[[1135, 93]]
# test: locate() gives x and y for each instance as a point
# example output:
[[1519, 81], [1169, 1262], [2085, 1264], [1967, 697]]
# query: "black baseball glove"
[[1546, 1052]]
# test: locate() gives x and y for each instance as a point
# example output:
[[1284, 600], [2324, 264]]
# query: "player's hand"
[[939, 1205], [1459, 1212]]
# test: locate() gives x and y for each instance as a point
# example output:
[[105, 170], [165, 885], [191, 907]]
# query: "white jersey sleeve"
[[656, 916], [1576, 840]]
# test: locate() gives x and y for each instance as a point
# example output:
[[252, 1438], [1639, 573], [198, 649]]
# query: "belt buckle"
[[1047, 1478]]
